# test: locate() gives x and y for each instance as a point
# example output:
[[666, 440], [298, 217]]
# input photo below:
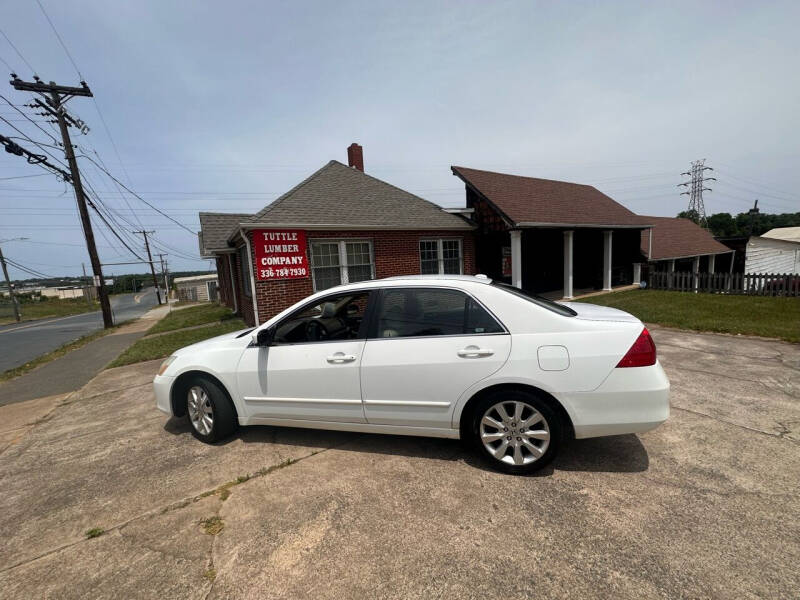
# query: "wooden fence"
[[756, 284]]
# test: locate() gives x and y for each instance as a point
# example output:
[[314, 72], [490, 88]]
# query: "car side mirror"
[[264, 337]]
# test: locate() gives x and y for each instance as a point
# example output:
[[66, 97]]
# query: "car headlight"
[[166, 364]]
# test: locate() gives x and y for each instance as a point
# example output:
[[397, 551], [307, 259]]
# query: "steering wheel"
[[316, 331]]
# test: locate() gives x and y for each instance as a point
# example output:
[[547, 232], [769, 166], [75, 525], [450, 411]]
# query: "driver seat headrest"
[[328, 310]]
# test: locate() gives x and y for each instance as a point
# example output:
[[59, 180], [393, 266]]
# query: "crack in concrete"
[[104, 392], [174, 506], [780, 435]]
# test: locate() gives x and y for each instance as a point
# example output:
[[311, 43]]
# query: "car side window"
[[417, 312], [338, 317]]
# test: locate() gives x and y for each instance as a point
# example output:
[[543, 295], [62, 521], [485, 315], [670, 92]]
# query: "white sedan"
[[443, 356]]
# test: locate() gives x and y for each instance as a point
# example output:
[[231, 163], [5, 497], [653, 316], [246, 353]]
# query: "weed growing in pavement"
[[213, 525]]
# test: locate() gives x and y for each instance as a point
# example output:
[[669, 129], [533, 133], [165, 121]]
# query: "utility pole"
[[166, 278], [86, 292], [150, 258], [57, 96], [753, 212], [696, 189], [10, 287]]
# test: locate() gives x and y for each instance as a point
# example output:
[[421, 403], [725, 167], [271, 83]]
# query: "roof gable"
[[215, 228], [674, 237], [529, 200], [337, 195]]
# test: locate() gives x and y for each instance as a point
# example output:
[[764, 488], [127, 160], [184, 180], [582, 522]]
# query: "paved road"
[[21, 342]]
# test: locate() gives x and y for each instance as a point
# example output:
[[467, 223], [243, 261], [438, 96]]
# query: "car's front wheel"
[[210, 412], [517, 431]]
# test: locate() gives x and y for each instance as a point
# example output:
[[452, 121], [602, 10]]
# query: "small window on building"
[[334, 262], [440, 257], [244, 267]]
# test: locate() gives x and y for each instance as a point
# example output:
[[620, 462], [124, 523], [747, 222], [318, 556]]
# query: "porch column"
[[516, 258], [672, 266], [607, 260], [637, 273], [695, 271], [568, 264], [712, 258]]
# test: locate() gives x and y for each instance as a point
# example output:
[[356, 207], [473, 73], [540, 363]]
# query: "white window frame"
[[440, 253], [343, 266]]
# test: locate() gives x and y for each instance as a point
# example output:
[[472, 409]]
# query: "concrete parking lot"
[[705, 506]]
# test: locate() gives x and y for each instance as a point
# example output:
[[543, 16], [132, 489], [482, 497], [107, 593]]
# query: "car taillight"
[[642, 353]]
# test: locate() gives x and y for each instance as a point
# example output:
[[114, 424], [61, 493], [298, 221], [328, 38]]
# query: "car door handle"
[[340, 357], [474, 352]]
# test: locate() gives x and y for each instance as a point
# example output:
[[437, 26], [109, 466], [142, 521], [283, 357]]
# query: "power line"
[[10, 43], [63, 45], [138, 196], [28, 270], [22, 176], [8, 66], [29, 119]]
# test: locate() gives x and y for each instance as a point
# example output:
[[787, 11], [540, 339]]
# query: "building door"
[[211, 286]]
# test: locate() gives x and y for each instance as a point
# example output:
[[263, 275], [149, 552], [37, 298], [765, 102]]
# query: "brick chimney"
[[355, 156]]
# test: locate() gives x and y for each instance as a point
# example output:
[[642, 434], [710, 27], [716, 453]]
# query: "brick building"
[[339, 225]]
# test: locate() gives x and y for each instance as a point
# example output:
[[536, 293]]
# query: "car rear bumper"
[[162, 386], [631, 400]]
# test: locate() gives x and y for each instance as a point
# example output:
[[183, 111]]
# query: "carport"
[[543, 235]]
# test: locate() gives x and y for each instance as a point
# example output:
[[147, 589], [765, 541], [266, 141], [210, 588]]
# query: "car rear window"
[[555, 307]]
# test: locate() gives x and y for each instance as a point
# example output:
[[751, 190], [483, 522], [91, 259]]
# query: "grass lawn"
[[751, 315], [194, 315], [161, 346], [49, 308]]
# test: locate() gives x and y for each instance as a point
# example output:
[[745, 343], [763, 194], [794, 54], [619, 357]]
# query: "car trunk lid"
[[595, 312]]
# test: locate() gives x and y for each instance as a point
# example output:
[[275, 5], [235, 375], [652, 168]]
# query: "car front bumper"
[[162, 387], [630, 400]]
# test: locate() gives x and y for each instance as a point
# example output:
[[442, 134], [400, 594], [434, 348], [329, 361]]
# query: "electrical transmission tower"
[[696, 185]]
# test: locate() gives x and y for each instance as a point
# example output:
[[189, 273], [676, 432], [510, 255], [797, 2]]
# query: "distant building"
[[198, 288], [775, 252], [676, 244]]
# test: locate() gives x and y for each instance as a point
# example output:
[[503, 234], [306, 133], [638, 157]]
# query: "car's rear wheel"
[[517, 431], [209, 410]]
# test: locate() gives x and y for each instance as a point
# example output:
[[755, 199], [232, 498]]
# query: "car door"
[[426, 347], [310, 371]]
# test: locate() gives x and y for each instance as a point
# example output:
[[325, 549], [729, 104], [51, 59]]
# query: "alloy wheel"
[[201, 413], [514, 433]]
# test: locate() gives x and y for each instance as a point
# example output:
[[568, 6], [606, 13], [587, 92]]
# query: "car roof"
[[471, 278], [397, 281]]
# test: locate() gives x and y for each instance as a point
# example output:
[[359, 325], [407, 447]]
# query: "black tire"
[[224, 421], [550, 422]]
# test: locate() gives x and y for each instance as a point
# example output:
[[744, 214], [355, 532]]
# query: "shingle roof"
[[528, 200], [679, 238], [337, 195], [215, 228], [787, 234]]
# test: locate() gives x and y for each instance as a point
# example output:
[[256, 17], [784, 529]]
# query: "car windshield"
[[538, 300]]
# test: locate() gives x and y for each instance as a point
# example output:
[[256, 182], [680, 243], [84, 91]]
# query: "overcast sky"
[[225, 105]]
